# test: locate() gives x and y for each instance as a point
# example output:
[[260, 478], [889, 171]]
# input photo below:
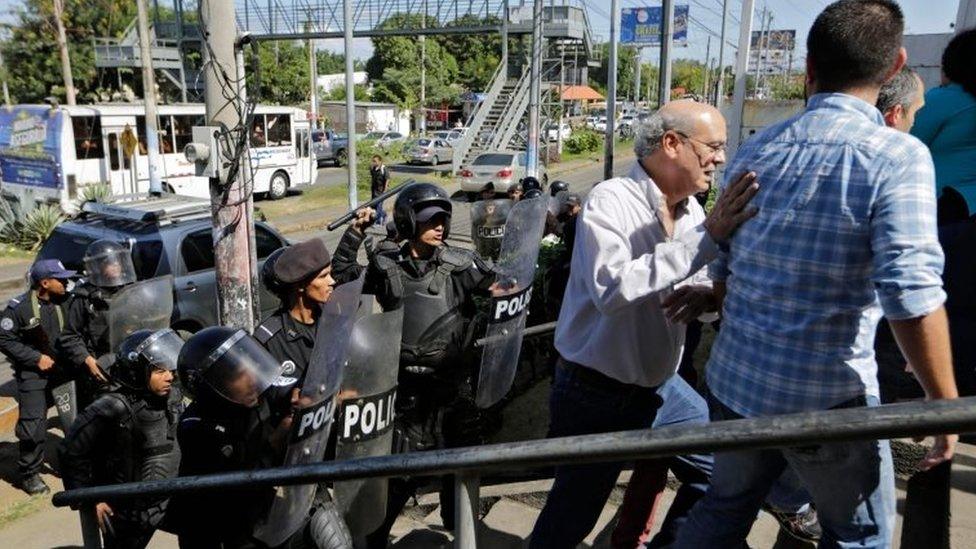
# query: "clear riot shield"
[[312, 422], [488, 226], [147, 304], [366, 415], [510, 302]]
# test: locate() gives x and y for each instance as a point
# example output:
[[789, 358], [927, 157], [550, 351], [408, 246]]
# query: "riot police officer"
[[234, 424], [28, 326], [85, 338], [129, 435], [435, 284], [301, 277]]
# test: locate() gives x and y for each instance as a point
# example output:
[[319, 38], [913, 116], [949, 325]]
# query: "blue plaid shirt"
[[846, 229]]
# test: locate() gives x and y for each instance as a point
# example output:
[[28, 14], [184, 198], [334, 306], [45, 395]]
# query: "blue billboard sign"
[[30, 146], [642, 26]]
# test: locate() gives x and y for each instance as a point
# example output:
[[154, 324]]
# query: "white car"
[[553, 132], [589, 122], [500, 168], [601, 124], [627, 121]]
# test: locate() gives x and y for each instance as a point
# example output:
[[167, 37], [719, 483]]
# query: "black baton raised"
[[351, 214]]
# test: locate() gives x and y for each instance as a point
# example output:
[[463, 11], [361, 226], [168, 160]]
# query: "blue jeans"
[[585, 402], [380, 215], [852, 485]]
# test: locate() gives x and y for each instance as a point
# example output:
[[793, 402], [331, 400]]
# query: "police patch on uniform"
[[286, 377], [287, 368], [7, 323]]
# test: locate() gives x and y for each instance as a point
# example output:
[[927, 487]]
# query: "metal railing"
[[889, 421], [477, 119]]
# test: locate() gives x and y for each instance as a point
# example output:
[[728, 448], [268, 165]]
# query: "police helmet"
[[532, 187], [418, 203], [108, 264], [558, 186], [142, 352], [268, 277], [228, 363]]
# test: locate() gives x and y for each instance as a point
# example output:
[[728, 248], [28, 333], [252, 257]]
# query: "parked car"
[[451, 136], [329, 146], [590, 122], [601, 124], [172, 235], [384, 139], [502, 168], [553, 131], [627, 121], [431, 151]]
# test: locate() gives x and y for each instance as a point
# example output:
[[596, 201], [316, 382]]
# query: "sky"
[[922, 17]]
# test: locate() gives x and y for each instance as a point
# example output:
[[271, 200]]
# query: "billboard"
[[642, 26], [776, 48], [30, 148]]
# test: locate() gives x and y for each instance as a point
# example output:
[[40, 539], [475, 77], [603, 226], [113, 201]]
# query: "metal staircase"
[[124, 53]]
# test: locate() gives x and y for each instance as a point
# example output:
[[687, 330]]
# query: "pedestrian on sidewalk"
[[620, 332], [379, 177], [846, 232], [28, 327]]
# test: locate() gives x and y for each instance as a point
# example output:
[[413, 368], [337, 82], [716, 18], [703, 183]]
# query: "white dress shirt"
[[624, 265]]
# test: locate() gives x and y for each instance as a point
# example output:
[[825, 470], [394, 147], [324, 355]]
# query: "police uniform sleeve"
[[477, 278], [345, 268], [71, 343], [20, 354], [85, 438]]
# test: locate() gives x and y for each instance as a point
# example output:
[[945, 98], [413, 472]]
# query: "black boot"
[[33, 484]]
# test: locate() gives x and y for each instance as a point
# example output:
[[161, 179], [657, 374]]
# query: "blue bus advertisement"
[[642, 26], [30, 146]]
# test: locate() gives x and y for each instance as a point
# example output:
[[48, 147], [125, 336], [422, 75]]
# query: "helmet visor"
[[161, 350], [111, 269], [242, 370]]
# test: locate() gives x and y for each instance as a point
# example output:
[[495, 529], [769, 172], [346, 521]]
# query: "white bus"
[[49, 154]]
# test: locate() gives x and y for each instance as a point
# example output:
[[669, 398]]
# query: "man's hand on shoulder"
[[732, 208]]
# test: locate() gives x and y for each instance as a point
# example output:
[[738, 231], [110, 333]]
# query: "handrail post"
[[466, 488], [91, 536]]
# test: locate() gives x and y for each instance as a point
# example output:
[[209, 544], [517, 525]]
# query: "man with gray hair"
[[900, 99], [637, 275]]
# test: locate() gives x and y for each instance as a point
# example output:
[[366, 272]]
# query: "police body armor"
[[366, 413], [66, 394], [435, 327], [488, 225], [145, 449]]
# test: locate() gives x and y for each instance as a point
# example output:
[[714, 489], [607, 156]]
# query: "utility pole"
[[667, 37], [149, 96], [422, 126], [231, 200], [350, 104], [741, 69], [708, 52], [562, 104], [611, 92], [6, 92], [313, 104], [69, 82], [535, 92], [763, 29], [637, 77], [720, 90]]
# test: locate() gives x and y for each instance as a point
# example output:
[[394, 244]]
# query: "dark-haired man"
[[846, 232]]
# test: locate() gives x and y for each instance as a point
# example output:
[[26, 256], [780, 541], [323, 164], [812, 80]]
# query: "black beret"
[[302, 261]]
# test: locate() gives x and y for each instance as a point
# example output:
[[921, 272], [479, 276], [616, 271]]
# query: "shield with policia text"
[[510, 299], [365, 423], [312, 422], [488, 226]]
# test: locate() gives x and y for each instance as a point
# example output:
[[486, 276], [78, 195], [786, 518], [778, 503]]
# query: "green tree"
[[31, 52], [688, 74], [360, 93], [626, 69], [787, 87], [477, 55], [394, 68], [283, 78], [330, 62]]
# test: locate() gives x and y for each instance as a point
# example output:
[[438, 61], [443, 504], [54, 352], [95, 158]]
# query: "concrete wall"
[[759, 113]]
